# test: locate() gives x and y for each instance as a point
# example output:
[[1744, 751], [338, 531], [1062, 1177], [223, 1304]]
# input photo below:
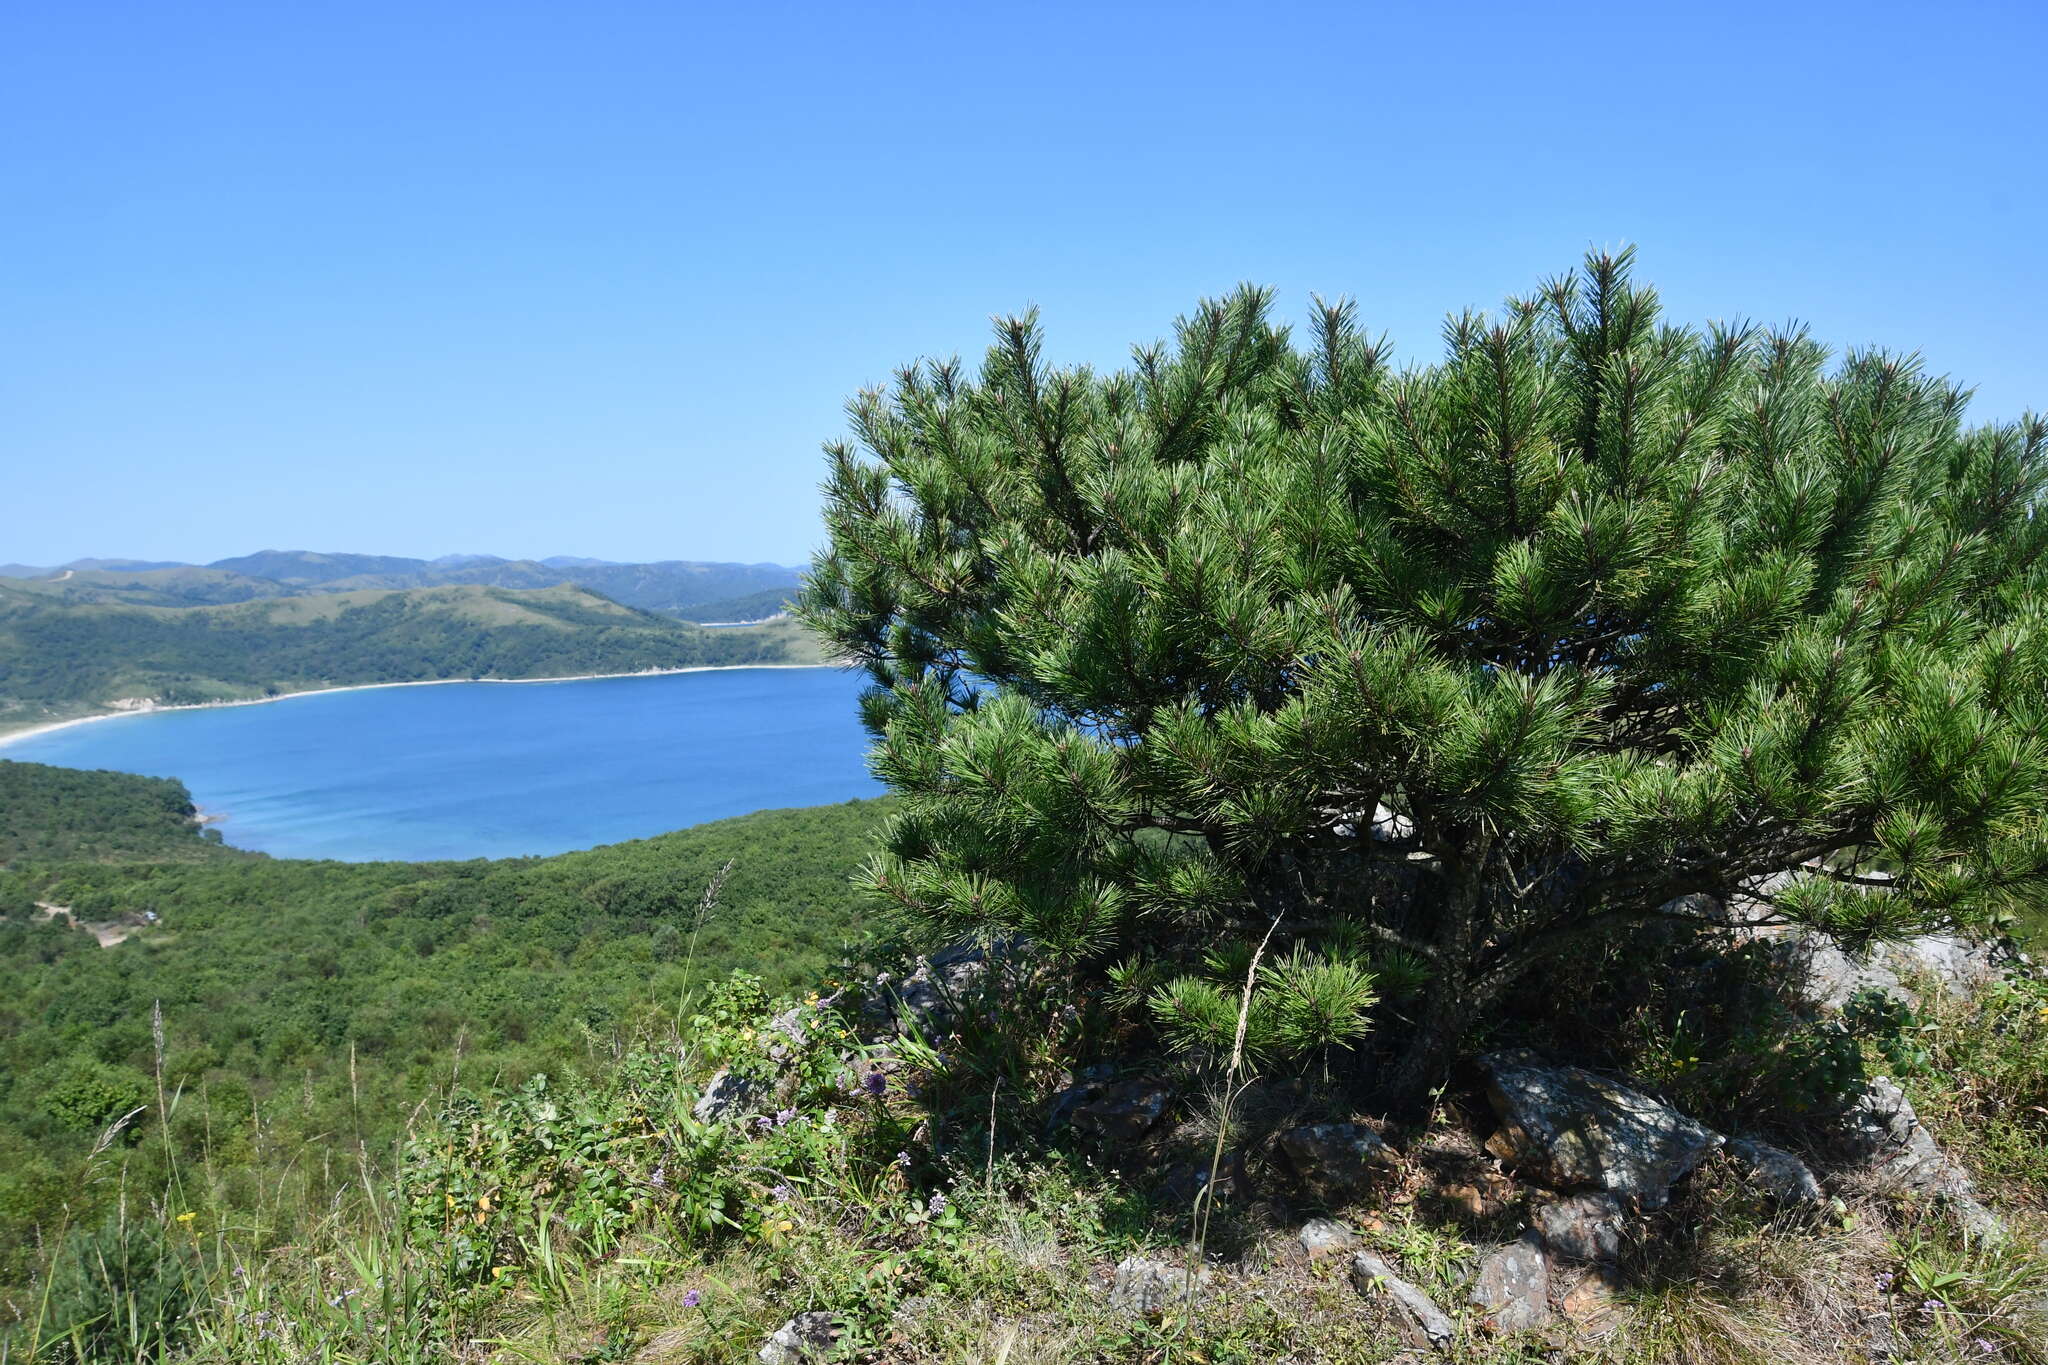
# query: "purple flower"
[[659, 1179], [875, 1083], [935, 1206], [784, 1117], [1985, 1344], [692, 1299], [903, 1160], [781, 1194]]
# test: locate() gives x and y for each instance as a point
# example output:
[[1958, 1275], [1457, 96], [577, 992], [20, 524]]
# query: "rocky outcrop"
[[1334, 1162], [1422, 1322], [929, 999], [804, 1338], [1512, 1289], [1327, 1237], [1782, 1177], [1120, 1113], [1143, 1287], [1584, 1227], [728, 1095], [1882, 1129], [1573, 1129]]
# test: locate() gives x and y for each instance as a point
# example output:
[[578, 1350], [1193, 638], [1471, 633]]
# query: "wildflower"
[[935, 1206], [903, 1160], [784, 1117], [875, 1083], [659, 1179], [784, 1226], [187, 1216], [1984, 1344], [692, 1299]]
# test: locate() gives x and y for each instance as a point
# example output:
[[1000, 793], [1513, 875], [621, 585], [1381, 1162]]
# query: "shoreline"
[[152, 710]]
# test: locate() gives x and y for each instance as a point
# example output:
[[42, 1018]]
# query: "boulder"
[[1144, 1287], [727, 1095], [1783, 1177], [1584, 1227], [1327, 1237], [1881, 1128], [1334, 1162], [1512, 1288], [1120, 1114], [1573, 1129], [804, 1338], [927, 1000], [1422, 1322]]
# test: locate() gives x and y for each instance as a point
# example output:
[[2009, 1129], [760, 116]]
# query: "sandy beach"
[[152, 710]]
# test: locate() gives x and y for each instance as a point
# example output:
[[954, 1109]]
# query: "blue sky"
[[597, 279]]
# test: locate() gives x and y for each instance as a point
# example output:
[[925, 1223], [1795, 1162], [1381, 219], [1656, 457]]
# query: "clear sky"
[[597, 278]]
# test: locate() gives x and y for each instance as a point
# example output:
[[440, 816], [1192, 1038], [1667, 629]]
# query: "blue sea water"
[[492, 770]]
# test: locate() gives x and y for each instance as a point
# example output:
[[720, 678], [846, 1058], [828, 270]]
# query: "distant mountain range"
[[688, 590]]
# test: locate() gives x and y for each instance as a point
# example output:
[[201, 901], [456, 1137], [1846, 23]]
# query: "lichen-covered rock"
[[1512, 1288], [1334, 1161], [1584, 1227], [1422, 1322], [804, 1338], [1789, 1182], [1882, 1129], [1574, 1129], [1327, 1237], [727, 1095], [1144, 1287]]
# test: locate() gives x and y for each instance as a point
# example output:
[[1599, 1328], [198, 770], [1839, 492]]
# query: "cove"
[[493, 770]]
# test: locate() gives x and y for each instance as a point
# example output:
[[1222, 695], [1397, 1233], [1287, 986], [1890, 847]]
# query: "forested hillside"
[[51, 814], [686, 589], [60, 658], [304, 998]]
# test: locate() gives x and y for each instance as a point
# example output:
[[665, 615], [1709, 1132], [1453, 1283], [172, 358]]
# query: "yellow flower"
[[784, 1226], [187, 1217]]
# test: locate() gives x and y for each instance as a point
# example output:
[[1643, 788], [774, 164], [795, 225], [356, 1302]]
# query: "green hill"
[[298, 1000], [61, 658]]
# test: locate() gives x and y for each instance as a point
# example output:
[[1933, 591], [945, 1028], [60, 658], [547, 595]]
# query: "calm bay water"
[[493, 770]]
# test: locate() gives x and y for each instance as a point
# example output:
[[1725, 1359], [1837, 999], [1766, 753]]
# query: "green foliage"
[[49, 814], [1494, 655], [119, 1292], [305, 1000], [1302, 1004]]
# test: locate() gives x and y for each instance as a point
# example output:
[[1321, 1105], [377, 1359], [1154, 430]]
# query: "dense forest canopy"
[[302, 998]]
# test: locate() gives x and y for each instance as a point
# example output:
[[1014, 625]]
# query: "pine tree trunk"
[[1431, 1051]]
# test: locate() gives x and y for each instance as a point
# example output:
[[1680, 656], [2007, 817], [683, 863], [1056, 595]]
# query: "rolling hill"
[[62, 657], [684, 589]]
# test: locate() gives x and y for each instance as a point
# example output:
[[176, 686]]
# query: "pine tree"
[[1461, 666]]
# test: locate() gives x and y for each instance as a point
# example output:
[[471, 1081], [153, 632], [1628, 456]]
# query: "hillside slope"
[[60, 658]]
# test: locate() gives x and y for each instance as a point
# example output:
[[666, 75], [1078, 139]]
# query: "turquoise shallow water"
[[492, 770]]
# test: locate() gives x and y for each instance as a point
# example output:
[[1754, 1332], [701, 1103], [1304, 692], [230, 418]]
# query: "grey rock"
[[727, 1095], [1334, 1161], [1327, 1237], [1122, 1113], [1881, 1128], [931, 997], [1574, 1129], [804, 1338], [1788, 1181], [1512, 1287], [1959, 965], [1832, 978], [1144, 1287], [1423, 1323], [1584, 1227]]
